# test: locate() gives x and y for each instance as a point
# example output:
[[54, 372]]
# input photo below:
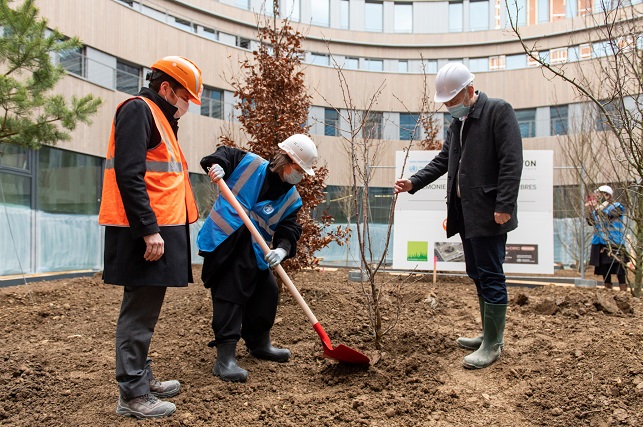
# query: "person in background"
[[146, 206], [607, 253], [482, 157], [244, 290]]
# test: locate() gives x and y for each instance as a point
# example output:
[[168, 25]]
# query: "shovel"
[[341, 353]]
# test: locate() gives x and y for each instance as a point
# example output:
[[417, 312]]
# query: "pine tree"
[[29, 115]]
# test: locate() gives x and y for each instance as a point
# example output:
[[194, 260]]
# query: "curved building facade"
[[52, 196]]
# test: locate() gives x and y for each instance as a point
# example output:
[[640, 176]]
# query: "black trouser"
[[140, 311], [250, 321]]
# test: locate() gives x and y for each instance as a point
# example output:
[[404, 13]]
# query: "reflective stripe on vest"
[[246, 181], [166, 179]]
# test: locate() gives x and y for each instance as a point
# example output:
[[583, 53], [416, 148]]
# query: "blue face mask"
[[459, 111]]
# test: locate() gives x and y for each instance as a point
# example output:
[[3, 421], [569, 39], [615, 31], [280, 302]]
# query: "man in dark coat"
[[482, 155], [147, 205]]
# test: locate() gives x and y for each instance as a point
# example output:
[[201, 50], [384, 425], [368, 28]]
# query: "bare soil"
[[572, 358]]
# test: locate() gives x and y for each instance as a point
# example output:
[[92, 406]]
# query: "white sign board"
[[420, 220]]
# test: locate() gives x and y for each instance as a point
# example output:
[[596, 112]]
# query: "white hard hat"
[[451, 79], [606, 189], [302, 150]]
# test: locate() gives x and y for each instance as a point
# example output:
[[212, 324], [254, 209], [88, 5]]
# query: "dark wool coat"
[[489, 160], [136, 133]]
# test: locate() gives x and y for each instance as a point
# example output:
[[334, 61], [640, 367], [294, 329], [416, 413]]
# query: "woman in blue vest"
[[608, 255], [244, 290]]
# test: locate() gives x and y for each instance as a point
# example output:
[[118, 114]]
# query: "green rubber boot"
[[495, 316], [473, 343]]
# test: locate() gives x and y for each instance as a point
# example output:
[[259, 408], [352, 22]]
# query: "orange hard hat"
[[185, 72]]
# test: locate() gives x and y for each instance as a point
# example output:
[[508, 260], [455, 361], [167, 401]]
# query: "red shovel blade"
[[341, 353]]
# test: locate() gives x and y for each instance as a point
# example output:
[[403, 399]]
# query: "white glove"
[[215, 172], [275, 256]]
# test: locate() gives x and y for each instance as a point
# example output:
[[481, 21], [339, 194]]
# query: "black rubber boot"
[[263, 349], [473, 343], [225, 365], [495, 316]]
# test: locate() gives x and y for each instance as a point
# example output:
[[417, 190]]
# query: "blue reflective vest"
[[245, 182], [606, 229]]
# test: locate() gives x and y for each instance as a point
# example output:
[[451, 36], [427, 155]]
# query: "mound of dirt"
[[572, 357]]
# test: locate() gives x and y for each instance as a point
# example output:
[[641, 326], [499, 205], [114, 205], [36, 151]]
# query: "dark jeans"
[[139, 313], [484, 257]]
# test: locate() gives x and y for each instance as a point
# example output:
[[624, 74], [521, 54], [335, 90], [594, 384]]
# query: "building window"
[[478, 15], [558, 119], [543, 10], [244, 4], [319, 59], [585, 51], [374, 16], [403, 18], [68, 182], [498, 62], [558, 56], [290, 9], [128, 78], [455, 17], [372, 125], [351, 63], [212, 103], [517, 11], [479, 64], [527, 122], [614, 114], [73, 61], [402, 66], [320, 12], [344, 15], [514, 62], [374, 64], [430, 66], [331, 122], [243, 43], [408, 126]]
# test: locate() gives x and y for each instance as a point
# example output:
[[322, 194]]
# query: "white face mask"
[[181, 105], [293, 177]]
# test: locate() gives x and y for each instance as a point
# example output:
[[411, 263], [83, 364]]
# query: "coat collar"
[[476, 111], [167, 108]]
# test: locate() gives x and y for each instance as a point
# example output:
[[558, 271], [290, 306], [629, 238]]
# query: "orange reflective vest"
[[167, 180]]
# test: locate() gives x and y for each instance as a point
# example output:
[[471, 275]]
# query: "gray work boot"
[[495, 316], [146, 406], [263, 349], [473, 343], [164, 388], [225, 365]]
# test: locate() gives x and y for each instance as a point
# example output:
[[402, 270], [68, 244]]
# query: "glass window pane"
[[372, 125], [127, 78], [331, 122], [16, 190], [514, 62], [73, 61], [478, 64], [543, 10], [403, 18], [408, 126], [212, 103], [479, 15], [518, 11], [374, 65], [14, 156], [373, 16], [558, 119], [344, 15], [320, 12], [290, 9], [403, 66], [527, 122], [455, 16], [68, 182], [351, 63], [319, 59], [245, 4]]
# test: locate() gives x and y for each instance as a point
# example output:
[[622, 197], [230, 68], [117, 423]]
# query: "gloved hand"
[[275, 256], [215, 172]]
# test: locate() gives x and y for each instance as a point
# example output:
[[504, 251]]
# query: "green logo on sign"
[[417, 251]]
